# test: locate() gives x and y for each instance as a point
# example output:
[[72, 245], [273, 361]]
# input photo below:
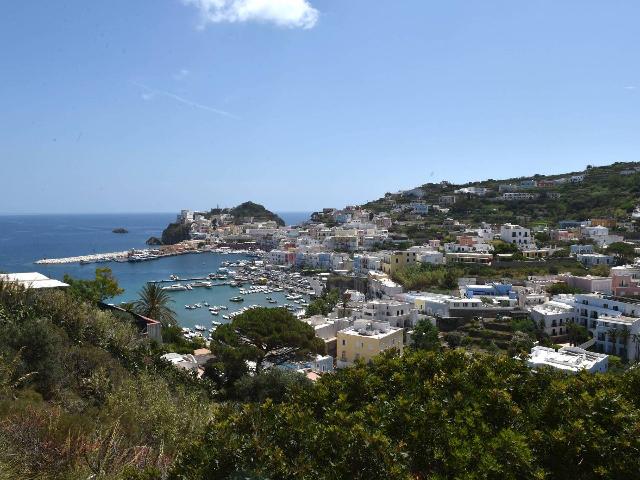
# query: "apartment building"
[[396, 313], [625, 280], [593, 259], [553, 317], [392, 262], [366, 339], [517, 235], [588, 283]]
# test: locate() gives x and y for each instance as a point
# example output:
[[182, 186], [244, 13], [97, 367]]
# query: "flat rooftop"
[[32, 280]]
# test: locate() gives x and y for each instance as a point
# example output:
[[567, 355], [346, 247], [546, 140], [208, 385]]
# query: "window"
[[344, 342]]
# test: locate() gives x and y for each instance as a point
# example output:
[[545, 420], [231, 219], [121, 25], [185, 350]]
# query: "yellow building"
[[366, 339], [397, 260]]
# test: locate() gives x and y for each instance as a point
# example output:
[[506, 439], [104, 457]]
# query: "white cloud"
[[182, 73], [150, 93], [284, 13], [630, 87]]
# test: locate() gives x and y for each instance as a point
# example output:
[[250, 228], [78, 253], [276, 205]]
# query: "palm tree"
[[153, 303], [624, 335], [613, 336], [635, 338]]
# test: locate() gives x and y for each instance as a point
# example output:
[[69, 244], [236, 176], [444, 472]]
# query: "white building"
[[396, 313], [517, 235], [568, 359], [553, 317], [33, 280], [603, 314], [593, 259]]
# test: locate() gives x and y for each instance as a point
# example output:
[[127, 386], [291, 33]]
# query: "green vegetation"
[[246, 210], [425, 336], [445, 277], [625, 251], [432, 416], [103, 286], [324, 304], [82, 395], [260, 335], [604, 193], [561, 287], [153, 302], [427, 276], [175, 233]]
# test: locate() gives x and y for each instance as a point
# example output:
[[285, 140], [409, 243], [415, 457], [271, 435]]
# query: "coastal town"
[[575, 284]]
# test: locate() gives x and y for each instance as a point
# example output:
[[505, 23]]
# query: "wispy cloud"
[[149, 93], [630, 87], [284, 13], [181, 74]]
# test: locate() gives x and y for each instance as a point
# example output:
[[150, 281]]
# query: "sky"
[[154, 106]]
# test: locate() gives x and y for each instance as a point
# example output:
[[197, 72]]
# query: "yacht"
[[175, 287], [236, 299]]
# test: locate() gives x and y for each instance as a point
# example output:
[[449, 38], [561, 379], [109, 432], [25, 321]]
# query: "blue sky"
[[166, 104]]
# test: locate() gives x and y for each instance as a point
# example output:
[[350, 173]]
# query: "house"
[[517, 235], [576, 249], [32, 280], [593, 259], [366, 339], [392, 262], [186, 362], [447, 199], [472, 257], [394, 312], [147, 327], [327, 330], [552, 317], [380, 285], [488, 290], [568, 359], [512, 196], [588, 283], [625, 280]]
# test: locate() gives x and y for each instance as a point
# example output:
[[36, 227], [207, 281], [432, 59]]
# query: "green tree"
[[103, 286], [626, 251], [425, 335], [273, 384], [153, 302], [577, 333], [267, 335], [520, 344], [561, 287]]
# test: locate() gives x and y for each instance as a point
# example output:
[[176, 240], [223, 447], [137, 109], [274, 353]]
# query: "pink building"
[[588, 283], [626, 280]]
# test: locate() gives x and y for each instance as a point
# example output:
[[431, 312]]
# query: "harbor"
[[143, 255]]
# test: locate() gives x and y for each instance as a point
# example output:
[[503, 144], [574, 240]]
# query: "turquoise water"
[[26, 238]]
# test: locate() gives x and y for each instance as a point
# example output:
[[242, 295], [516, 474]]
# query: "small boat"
[[189, 287], [236, 299], [213, 322], [214, 312], [206, 304], [199, 328], [273, 301], [226, 317], [190, 307]]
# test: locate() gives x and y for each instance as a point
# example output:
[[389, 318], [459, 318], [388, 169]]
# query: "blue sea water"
[[27, 238]]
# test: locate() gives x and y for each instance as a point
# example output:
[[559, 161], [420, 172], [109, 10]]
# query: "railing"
[[589, 343]]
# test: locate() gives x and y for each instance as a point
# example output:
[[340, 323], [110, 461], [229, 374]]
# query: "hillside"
[[248, 210], [610, 191]]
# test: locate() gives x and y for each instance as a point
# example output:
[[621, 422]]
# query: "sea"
[[27, 238]]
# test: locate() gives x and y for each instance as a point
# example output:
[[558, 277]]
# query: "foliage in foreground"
[[82, 395], [431, 415]]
